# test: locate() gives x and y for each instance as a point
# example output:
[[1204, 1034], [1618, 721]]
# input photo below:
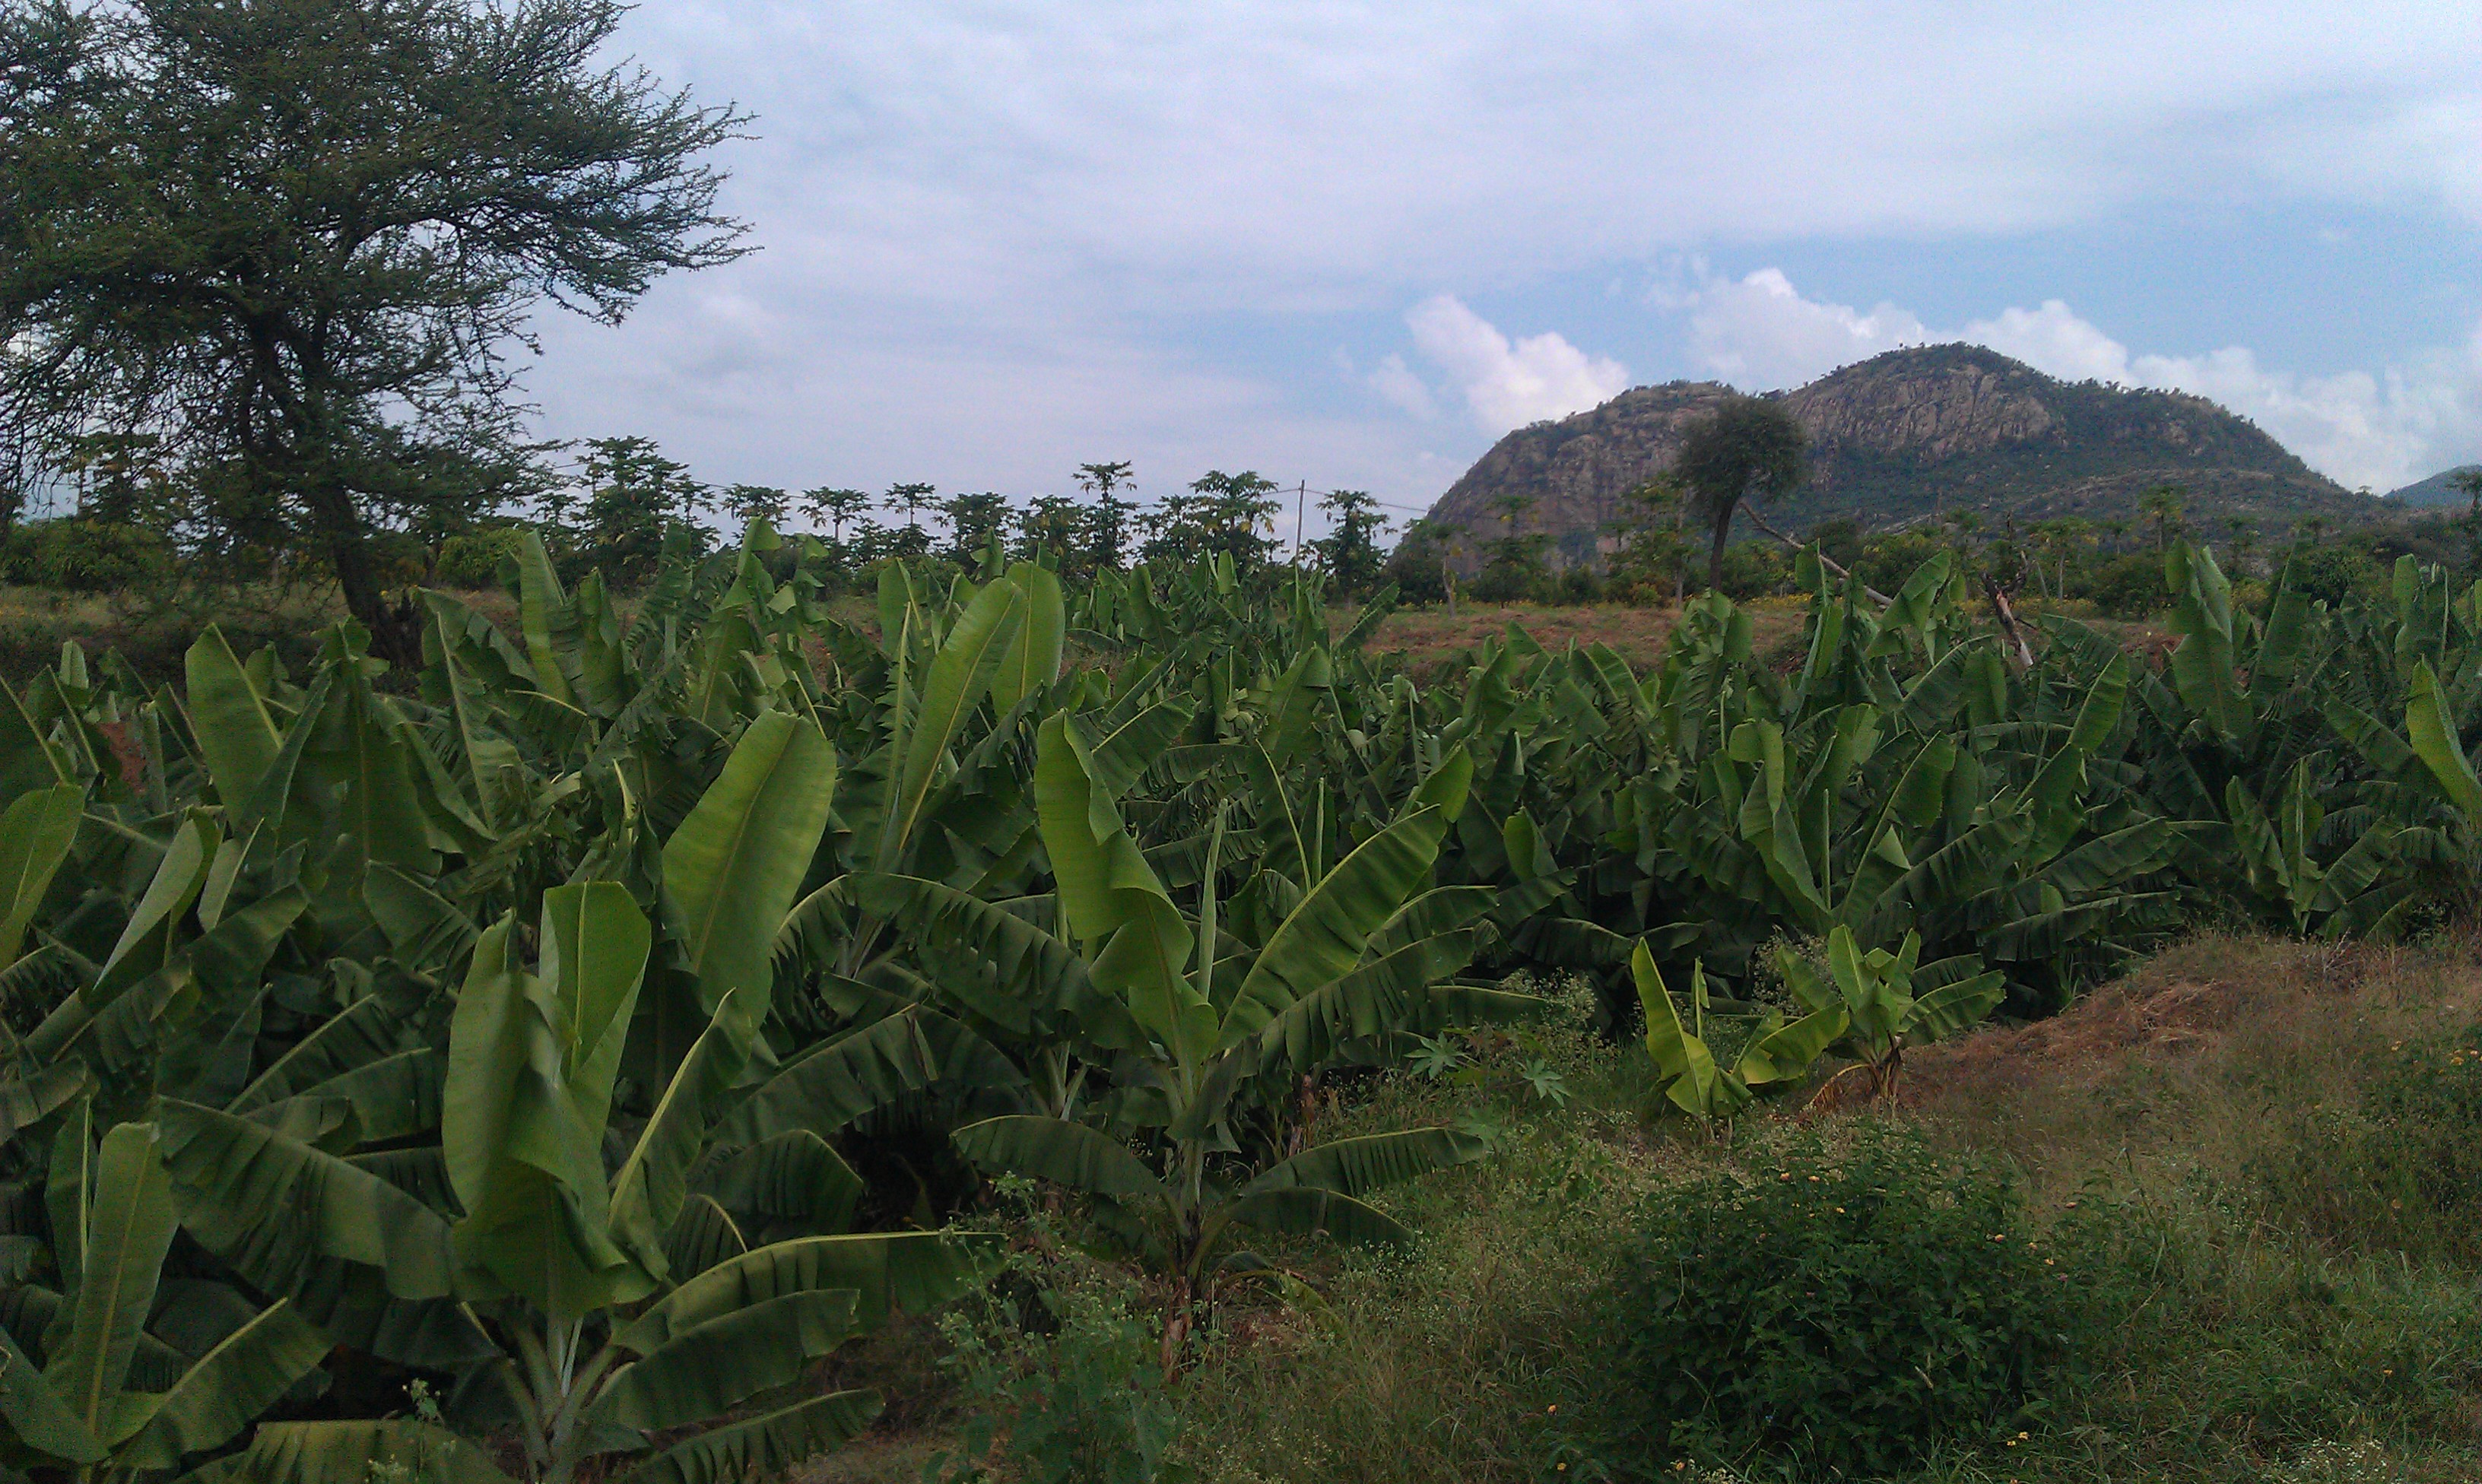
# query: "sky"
[[1350, 244]]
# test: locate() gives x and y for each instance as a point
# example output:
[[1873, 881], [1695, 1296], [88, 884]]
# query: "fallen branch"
[[1998, 599], [1824, 559], [2008, 621]]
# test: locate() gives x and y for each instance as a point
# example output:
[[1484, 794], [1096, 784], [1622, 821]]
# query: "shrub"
[[93, 555], [1578, 582], [1833, 1309], [1061, 1364], [472, 559], [2129, 585], [2327, 574], [1751, 569], [398, 558], [1888, 560], [18, 554], [1084, 1404], [1414, 568]]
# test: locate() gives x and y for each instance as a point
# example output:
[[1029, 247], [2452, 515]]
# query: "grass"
[[151, 631], [2256, 1325]]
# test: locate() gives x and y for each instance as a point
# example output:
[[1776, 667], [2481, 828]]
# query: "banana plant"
[[1890, 1001], [91, 1394], [1775, 1054], [1213, 1028], [934, 721], [2349, 893], [2430, 719], [1902, 780], [604, 1340]]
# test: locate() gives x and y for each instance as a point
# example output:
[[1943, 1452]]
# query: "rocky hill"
[[1901, 437], [2436, 491]]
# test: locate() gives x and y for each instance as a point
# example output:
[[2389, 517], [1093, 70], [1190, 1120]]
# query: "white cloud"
[[2362, 429], [1016, 414], [1100, 226], [1232, 154], [2378, 430], [2055, 340], [1760, 333], [1396, 381], [1508, 385]]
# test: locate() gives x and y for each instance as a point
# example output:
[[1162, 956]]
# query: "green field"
[[1168, 1026]]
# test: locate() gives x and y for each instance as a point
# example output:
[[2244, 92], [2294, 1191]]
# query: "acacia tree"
[[297, 239], [1748, 445]]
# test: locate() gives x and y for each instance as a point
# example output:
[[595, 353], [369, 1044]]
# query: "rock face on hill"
[[1898, 439]]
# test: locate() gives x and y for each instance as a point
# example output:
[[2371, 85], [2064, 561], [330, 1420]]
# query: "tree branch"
[[2008, 622], [1751, 509]]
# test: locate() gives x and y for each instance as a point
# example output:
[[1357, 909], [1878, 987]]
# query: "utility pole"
[[1300, 498]]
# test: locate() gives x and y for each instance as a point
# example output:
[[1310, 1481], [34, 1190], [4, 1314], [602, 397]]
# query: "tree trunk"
[[395, 628], [1715, 553]]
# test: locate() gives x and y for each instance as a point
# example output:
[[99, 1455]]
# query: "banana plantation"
[[591, 1035]]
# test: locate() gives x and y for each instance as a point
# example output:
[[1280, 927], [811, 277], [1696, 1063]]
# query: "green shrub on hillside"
[[1834, 1308], [1060, 1364], [2328, 574], [1887, 561]]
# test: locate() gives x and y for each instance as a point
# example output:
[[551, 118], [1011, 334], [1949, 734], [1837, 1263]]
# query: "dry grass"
[[2184, 1064], [1426, 636]]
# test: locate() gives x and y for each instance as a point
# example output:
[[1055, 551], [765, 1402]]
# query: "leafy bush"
[[472, 561], [398, 559], [2328, 574], [93, 555], [18, 557], [1576, 582], [1753, 569], [1414, 568], [1834, 1308], [1888, 560], [1062, 1370], [2129, 585]]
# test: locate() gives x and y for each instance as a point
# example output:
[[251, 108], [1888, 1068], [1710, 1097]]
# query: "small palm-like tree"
[[2162, 504]]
